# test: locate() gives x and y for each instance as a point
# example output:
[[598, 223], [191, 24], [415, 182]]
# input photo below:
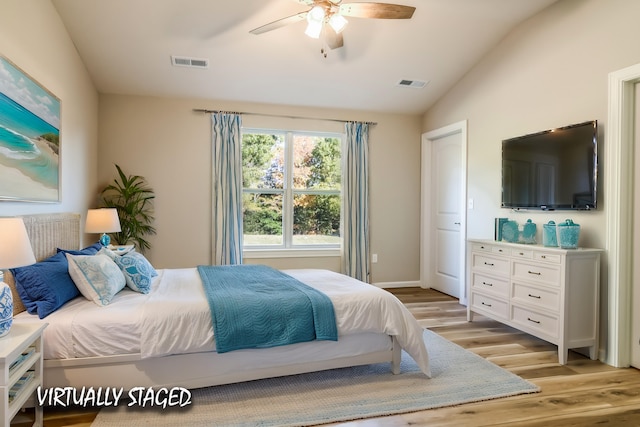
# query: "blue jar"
[[529, 232], [568, 234], [549, 236]]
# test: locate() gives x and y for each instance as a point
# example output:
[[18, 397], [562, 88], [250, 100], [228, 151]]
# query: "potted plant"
[[132, 197]]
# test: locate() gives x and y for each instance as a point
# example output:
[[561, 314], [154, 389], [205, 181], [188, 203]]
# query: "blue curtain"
[[356, 201], [227, 188]]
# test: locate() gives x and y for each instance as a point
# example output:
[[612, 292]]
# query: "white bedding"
[[146, 324]]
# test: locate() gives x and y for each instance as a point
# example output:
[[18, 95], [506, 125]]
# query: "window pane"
[[262, 161], [316, 219], [262, 219], [316, 163]]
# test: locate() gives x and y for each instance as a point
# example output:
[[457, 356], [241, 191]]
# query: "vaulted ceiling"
[[127, 47]]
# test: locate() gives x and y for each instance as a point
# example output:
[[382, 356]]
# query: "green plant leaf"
[[132, 197]]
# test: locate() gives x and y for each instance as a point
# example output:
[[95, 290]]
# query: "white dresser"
[[551, 293]]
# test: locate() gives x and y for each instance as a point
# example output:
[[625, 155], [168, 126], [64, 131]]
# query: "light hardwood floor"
[[581, 393]]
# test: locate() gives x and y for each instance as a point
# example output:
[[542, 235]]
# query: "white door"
[[443, 210], [635, 311]]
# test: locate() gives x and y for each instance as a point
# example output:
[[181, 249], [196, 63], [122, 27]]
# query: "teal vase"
[[529, 232]]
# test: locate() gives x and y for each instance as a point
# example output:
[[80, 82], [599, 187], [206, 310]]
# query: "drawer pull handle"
[[484, 303], [490, 264], [521, 253], [543, 256], [487, 283], [533, 272], [535, 296], [534, 321]]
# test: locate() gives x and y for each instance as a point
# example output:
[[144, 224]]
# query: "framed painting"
[[29, 138]]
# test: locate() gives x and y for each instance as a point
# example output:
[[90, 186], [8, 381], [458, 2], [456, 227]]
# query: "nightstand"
[[21, 369]]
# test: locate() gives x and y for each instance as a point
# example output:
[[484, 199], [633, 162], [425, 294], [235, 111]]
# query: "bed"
[[134, 342]]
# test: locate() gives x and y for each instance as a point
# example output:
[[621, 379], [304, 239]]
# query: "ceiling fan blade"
[[280, 23], [334, 40], [377, 10], [313, 2]]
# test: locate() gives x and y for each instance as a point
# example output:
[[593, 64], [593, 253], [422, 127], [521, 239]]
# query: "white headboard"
[[50, 231]]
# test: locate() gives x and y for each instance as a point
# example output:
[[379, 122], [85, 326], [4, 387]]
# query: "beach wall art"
[[29, 138]]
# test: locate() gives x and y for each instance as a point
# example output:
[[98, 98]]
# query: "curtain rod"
[[201, 110]]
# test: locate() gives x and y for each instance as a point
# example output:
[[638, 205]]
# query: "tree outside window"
[[291, 189]]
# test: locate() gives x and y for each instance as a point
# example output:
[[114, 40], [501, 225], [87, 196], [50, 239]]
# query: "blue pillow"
[[45, 286], [137, 270], [89, 250]]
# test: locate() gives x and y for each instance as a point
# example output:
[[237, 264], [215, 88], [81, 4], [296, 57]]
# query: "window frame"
[[288, 249]]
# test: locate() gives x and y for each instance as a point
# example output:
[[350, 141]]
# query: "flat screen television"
[[554, 169]]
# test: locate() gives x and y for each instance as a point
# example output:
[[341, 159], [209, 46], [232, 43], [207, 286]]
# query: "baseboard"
[[388, 285]]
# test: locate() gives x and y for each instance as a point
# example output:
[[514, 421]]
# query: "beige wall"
[[33, 37], [163, 140], [551, 71]]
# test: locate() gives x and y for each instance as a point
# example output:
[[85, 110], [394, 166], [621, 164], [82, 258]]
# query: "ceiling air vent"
[[183, 61], [412, 83]]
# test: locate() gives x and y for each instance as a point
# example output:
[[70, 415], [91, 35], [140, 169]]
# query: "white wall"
[[33, 37], [163, 140], [551, 71]]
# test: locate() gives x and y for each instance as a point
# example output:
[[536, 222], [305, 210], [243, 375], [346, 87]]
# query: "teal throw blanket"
[[255, 306]]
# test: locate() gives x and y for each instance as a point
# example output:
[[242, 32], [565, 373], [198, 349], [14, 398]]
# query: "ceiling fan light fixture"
[[316, 14], [315, 19], [313, 29], [338, 22]]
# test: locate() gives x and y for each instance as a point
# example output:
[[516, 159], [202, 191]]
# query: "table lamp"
[[15, 251], [104, 220]]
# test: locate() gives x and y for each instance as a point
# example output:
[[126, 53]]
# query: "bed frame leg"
[[396, 357]]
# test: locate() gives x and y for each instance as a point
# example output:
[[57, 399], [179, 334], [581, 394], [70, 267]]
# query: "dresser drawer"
[[547, 274], [500, 250], [493, 264], [536, 321], [493, 285], [548, 299], [548, 257], [522, 253], [494, 306], [482, 247]]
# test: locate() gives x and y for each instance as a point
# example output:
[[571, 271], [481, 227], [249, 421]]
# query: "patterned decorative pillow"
[[108, 252], [137, 270], [97, 277]]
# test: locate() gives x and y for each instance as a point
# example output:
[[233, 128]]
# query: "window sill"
[[291, 253]]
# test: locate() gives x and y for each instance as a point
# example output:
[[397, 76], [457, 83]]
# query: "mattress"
[[174, 318]]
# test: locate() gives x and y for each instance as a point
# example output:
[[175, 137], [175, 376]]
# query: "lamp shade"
[[15, 251], [104, 220], [15, 247]]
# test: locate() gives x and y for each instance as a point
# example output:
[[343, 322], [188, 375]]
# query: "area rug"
[[459, 376]]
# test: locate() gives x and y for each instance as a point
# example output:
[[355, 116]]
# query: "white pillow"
[[97, 277], [108, 252]]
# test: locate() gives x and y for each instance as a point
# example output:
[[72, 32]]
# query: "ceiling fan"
[[328, 17]]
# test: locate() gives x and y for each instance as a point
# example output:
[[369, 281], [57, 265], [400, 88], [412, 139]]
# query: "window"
[[291, 189]]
